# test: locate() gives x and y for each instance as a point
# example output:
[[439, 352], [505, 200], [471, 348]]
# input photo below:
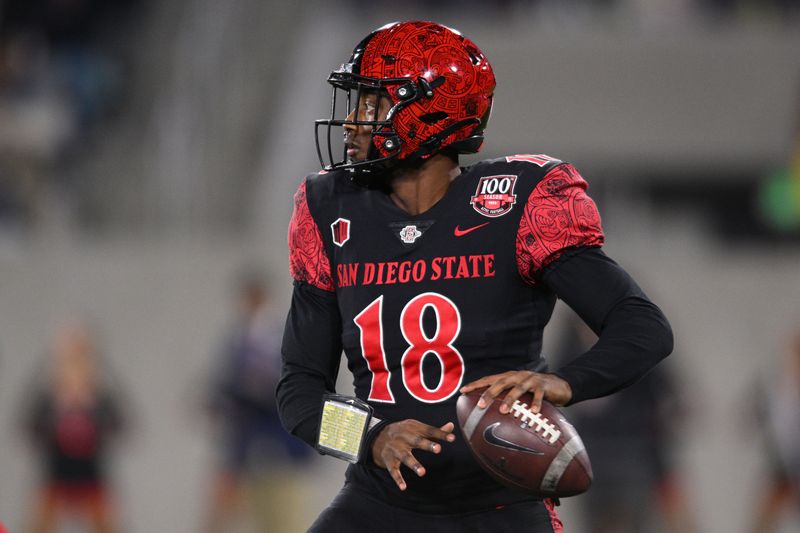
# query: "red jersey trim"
[[307, 258], [558, 215], [555, 521]]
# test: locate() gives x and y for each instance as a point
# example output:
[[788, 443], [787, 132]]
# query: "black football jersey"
[[430, 302]]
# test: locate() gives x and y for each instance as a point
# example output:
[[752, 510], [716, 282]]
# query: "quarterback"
[[437, 279]]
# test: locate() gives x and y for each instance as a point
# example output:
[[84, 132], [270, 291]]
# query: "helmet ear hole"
[[433, 118]]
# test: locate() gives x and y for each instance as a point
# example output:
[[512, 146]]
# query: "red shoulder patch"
[[307, 258], [558, 215]]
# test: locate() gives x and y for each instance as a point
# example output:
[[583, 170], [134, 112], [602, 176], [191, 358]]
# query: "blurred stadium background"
[[150, 149]]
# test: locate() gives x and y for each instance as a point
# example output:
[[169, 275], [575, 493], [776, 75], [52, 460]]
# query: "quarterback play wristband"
[[343, 426]]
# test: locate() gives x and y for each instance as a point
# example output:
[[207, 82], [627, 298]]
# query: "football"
[[540, 453]]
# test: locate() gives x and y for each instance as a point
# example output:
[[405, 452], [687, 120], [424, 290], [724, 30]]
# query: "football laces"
[[536, 422]]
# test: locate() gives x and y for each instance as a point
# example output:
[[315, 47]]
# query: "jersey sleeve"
[[310, 351], [308, 261], [558, 215], [633, 333]]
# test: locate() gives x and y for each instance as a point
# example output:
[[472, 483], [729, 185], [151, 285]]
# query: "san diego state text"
[[391, 272]]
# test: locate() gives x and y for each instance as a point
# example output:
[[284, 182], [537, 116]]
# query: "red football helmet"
[[440, 86]]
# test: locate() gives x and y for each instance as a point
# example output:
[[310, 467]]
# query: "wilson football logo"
[[494, 196]]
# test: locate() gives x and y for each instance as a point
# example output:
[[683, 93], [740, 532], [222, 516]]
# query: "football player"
[[437, 279]]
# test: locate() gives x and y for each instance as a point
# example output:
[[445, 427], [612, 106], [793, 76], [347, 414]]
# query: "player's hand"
[[394, 444], [543, 386]]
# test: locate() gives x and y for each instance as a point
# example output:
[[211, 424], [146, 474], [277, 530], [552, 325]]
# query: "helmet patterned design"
[[440, 85]]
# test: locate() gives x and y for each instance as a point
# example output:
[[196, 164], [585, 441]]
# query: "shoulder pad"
[[540, 160], [523, 164], [323, 184]]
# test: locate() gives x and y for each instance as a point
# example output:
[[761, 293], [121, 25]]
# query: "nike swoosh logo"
[[490, 437], [461, 232]]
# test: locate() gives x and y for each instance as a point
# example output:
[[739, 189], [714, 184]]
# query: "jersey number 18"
[[440, 344]]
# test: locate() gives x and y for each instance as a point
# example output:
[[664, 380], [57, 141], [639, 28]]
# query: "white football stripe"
[[560, 463], [473, 420]]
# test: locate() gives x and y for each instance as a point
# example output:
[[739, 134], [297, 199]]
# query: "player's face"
[[371, 107]]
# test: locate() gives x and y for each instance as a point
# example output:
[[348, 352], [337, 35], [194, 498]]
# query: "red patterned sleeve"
[[307, 258], [558, 215]]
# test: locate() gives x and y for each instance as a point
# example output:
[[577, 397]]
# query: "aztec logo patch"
[[494, 196], [341, 231], [409, 234]]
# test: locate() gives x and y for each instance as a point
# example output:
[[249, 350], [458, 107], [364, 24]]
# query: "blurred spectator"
[[81, 42], [630, 437], [71, 419], [256, 455], [62, 70], [779, 405]]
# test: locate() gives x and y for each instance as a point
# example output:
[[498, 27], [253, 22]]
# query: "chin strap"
[[432, 144]]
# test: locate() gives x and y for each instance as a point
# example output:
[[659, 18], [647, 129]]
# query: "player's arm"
[[312, 346], [311, 351], [633, 333]]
